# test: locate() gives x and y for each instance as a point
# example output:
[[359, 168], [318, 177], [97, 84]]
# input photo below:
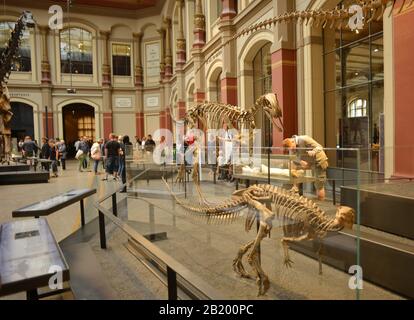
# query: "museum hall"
[[206, 150]]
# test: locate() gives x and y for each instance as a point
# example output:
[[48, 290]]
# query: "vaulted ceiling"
[[120, 4]]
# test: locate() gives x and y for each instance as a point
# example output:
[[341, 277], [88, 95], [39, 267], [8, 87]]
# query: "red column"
[[162, 119], [139, 124], [50, 129], [168, 119], [284, 85], [181, 109], [229, 91], [404, 97], [107, 124], [229, 9], [199, 96]]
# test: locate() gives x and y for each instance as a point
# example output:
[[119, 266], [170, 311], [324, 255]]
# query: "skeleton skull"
[[345, 217]]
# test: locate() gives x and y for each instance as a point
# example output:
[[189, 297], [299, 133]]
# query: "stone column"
[[161, 31], [106, 69], [199, 26], [197, 53], [284, 71], [46, 87], [168, 52], [45, 66], [181, 45], [139, 83], [139, 80], [106, 86], [229, 75]]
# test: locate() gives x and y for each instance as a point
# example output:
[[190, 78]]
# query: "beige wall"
[[308, 44]]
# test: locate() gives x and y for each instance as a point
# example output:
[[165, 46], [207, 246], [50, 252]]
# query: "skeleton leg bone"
[[253, 259], [285, 242], [238, 263]]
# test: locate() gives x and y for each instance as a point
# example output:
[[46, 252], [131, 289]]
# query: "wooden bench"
[[29, 258], [46, 207]]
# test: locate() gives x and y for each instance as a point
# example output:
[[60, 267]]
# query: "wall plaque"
[[123, 102]]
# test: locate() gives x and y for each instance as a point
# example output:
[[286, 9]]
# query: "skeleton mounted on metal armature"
[[9, 54], [302, 220], [214, 115]]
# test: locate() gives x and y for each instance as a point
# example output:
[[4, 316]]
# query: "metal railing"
[[189, 283]]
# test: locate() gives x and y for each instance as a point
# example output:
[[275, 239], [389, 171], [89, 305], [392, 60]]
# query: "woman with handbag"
[[96, 155]]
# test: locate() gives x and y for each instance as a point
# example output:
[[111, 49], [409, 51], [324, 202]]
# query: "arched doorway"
[[78, 121], [22, 122]]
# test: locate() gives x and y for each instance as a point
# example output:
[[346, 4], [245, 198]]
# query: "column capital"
[[43, 29], [167, 21], [137, 35], [105, 34]]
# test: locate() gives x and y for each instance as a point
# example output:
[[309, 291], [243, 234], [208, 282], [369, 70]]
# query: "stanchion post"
[[102, 233]]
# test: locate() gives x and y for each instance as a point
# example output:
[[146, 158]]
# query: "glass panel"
[[208, 245], [76, 51], [353, 112], [23, 60], [333, 78], [121, 59], [377, 59], [356, 64]]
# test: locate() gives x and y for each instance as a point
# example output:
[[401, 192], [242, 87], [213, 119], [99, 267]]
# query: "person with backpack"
[[82, 154], [96, 155]]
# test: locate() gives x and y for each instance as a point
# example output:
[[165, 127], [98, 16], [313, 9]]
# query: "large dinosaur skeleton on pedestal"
[[9, 54], [300, 217]]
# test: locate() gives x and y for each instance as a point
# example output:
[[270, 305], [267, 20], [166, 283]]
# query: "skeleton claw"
[[264, 284], [288, 263]]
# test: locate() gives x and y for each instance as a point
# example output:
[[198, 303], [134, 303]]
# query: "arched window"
[[357, 108], [23, 62], [262, 84], [76, 51]]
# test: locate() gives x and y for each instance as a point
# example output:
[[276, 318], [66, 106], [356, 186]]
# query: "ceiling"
[[118, 8], [119, 4]]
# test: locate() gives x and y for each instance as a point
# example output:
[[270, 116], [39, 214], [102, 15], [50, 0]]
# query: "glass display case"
[[308, 249]]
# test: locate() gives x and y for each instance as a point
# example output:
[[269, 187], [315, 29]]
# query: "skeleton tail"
[[222, 213]]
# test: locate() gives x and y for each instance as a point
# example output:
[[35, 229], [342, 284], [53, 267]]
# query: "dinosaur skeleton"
[[335, 18], [215, 115], [9, 54], [302, 220]]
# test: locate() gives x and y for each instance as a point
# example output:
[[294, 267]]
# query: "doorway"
[[22, 122], [78, 121]]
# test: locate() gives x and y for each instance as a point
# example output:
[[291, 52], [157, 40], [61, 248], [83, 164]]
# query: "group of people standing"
[[111, 154], [145, 144], [51, 149]]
